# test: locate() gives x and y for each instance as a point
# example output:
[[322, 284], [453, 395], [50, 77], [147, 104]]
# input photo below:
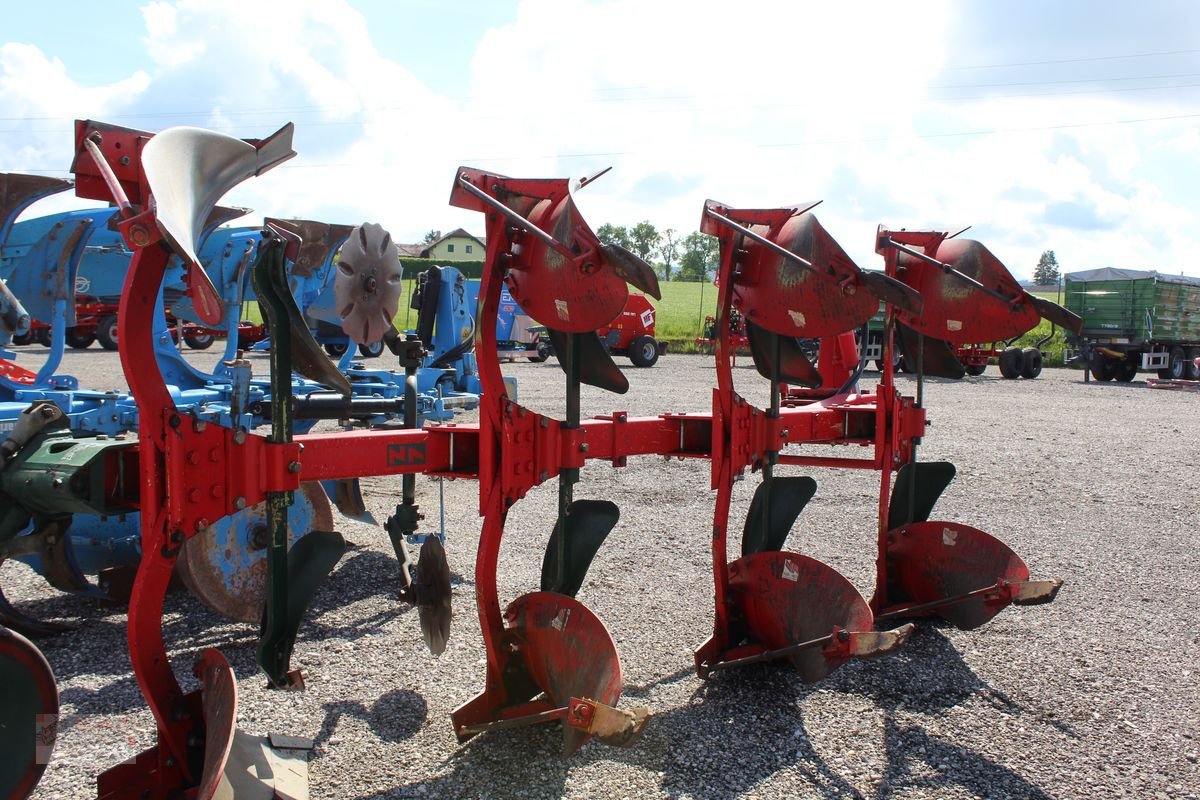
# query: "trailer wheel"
[[536, 353], [975, 369], [43, 336], [371, 350], [643, 351], [1125, 370], [1176, 364], [336, 350], [80, 339], [106, 332], [23, 338], [1033, 363], [544, 349], [1103, 369], [1193, 369], [1012, 362]]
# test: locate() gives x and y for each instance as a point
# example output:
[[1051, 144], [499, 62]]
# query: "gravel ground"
[[1093, 696]]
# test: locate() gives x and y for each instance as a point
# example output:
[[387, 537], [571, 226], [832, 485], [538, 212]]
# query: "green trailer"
[[1135, 320]]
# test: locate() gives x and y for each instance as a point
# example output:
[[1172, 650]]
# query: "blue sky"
[[1070, 126]]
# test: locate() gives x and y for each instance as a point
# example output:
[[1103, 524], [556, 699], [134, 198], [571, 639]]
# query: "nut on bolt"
[[294, 467]]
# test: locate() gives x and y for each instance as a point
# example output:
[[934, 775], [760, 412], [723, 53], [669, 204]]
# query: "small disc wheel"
[[335, 349], [43, 336], [374, 350], [1033, 363], [22, 339], [106, 332], [1103, 369], [1176, 365], [975, 369], [643, 351], [199, 341], [1125, 370], [536, 353], [1012, 362], [79, 338]]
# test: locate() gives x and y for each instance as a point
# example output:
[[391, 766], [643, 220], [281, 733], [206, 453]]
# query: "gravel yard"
[[1093, 696]]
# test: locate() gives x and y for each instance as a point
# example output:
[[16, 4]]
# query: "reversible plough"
[[548, 657]]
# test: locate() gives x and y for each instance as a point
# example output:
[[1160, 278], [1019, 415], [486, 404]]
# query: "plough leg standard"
[[549, 658]]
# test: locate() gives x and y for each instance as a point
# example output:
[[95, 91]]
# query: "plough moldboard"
[[548, 657]]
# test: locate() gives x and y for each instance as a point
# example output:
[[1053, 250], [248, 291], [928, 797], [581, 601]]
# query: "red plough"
[[548, 656]]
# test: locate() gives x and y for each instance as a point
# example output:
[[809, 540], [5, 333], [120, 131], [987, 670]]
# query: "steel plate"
[[568, 653], [786, 598], [223, 567]]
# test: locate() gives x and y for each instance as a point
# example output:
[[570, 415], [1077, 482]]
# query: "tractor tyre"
[[336, 350], [371, 350], [975, 369], [643, 351], [199, 341], [1033, 363], [43, 336], [79, 339], [1124, 371], [106, 332], [1012, 362]]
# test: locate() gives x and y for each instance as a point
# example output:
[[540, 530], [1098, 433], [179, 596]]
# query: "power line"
[[1073, 60]]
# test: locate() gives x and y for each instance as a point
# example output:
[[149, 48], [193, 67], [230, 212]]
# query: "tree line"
[[674, 257]]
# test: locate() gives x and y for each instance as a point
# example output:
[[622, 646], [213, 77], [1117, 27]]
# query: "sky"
[[1068, 126]]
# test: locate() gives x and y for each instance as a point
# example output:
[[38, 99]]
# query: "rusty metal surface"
[[368, 283], [958, 312], [226, 568], [317, 241], [567, 652], [930, 561], [785, 598], [777, 294]]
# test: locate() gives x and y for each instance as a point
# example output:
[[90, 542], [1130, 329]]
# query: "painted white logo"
[[83, 284], [953, 325], [647, 318], [949, 536], [790, 572], [560, 622], [797, 318]]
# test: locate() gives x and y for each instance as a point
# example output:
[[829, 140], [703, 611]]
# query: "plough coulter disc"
[[433, 593], [956, 572], [367, 284], [786, 598], [225, 565], [567, 652], [28, 714]]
